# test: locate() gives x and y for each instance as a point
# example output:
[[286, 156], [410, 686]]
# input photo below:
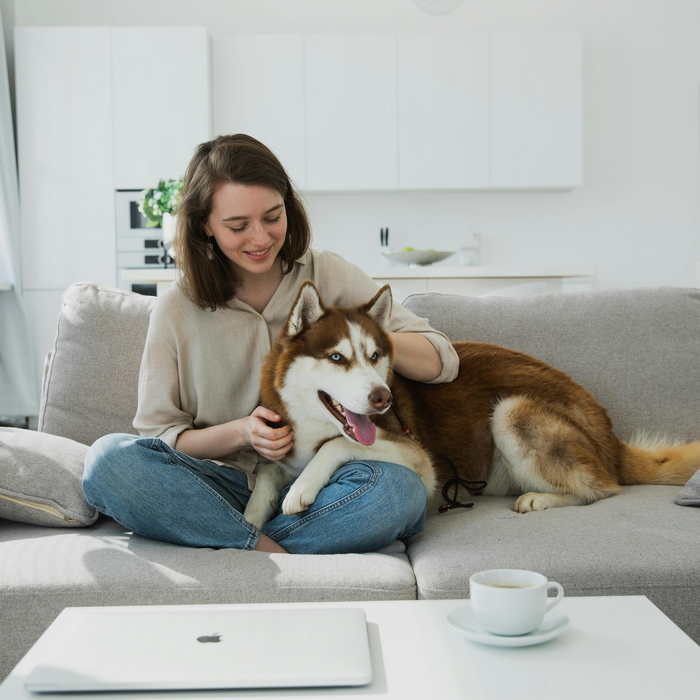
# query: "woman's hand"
[[273, 443], [218, 441]]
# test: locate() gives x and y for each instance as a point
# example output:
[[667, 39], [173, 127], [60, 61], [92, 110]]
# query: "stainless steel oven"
[[138, 246]]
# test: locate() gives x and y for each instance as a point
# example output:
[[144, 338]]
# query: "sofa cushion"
[[690, 495], [635, 350], [40, 479], [44, 571], [636, 543], [91, 377]]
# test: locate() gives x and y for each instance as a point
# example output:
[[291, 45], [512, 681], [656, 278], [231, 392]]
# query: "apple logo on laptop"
[[209, 638]]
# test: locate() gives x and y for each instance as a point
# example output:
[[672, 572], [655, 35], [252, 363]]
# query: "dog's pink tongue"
[[365, 430]]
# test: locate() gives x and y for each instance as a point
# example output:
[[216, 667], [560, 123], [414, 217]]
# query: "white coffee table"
[[615, 647]]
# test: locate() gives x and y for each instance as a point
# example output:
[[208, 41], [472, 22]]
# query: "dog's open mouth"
[[356, 426]]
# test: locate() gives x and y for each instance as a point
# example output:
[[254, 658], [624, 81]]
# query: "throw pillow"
[[690, 495], [41, 479], [91, 378]]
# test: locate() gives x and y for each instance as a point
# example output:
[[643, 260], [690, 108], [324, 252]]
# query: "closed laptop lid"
[[171, 648]]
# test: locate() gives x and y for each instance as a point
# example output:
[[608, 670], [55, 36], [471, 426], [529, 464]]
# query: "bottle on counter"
[[470, 252]]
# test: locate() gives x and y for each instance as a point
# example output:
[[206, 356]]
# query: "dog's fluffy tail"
[[657, 460]]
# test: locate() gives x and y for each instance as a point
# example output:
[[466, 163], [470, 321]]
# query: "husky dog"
[[519, 425]]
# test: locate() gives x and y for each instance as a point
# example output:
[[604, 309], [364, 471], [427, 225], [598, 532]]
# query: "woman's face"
[[249, 223]]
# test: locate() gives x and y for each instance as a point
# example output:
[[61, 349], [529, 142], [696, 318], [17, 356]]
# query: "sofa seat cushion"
[[40, 479], [45, 570], [636, 543]]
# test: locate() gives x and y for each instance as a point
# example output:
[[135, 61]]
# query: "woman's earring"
[[210, 249]]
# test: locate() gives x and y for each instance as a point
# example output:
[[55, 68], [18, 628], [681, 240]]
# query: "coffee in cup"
[[511, 602]]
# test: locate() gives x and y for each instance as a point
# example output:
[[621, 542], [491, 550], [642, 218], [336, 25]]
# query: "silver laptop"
[[180, 648]]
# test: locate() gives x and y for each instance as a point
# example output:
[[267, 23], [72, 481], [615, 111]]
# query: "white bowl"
[[418, 257]]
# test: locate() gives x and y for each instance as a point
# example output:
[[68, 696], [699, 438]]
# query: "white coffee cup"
[[511, 602]]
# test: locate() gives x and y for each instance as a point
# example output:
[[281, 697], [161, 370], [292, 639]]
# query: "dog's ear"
[[307, 309], [379, 308]]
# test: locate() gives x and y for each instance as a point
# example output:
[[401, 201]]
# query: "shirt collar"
[[304, 258]]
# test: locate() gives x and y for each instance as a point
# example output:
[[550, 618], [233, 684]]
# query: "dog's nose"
[[380, 399]]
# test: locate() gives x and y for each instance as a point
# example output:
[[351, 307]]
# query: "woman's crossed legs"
[[162, 494]]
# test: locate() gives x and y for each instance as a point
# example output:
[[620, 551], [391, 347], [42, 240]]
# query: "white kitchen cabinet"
[[160, 82], [443, 112], [351, 130], [536, 110], [65, 149], [500, 111], [89, 122], [259, 90], [411, 111]]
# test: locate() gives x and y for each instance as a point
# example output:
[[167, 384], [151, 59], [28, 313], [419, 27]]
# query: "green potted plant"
[[159, 206]]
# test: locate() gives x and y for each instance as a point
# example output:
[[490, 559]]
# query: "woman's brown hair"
[[242, 160]]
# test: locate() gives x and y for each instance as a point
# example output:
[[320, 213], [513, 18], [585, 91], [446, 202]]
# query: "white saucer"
[[463, 621]]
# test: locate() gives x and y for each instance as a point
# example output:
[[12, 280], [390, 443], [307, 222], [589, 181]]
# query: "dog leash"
[[405, 428], [473, 487]]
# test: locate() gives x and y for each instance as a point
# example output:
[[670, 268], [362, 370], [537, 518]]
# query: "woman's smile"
[[259, 254]]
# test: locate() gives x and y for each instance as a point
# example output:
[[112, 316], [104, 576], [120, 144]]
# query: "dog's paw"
[[541, 501], [299, 498], [529, 502]]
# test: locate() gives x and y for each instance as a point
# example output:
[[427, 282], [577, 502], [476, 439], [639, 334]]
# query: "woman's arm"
[[415, 357], [220, 440]]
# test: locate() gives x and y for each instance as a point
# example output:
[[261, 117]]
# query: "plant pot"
[[169, 227]]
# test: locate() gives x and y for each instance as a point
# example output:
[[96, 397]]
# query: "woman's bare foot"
[[265, 544]]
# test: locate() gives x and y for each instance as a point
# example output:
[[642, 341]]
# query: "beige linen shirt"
[[202, 368]]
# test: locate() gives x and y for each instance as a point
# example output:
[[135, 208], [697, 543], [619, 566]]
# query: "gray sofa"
[[636, 351]]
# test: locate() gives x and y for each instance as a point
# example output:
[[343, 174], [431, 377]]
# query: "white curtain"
[[19, 394]]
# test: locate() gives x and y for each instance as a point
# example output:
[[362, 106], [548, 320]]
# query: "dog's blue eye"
[[336, 357], [374, 356]]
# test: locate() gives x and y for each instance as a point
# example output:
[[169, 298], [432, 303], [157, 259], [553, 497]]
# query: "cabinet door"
[[536, 110], [64, 131], [161, 101], [351, 112], [443, 84], [259, 90]]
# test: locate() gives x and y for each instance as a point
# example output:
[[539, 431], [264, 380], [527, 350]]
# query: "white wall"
[[638, 215]]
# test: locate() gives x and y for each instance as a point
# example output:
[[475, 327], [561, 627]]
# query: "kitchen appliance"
[[138, 247]]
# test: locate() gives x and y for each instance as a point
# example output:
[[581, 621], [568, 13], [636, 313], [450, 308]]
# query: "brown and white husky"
[[521, 426]]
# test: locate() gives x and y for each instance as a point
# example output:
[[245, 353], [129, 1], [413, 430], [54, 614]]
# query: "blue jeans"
[[160, 493]]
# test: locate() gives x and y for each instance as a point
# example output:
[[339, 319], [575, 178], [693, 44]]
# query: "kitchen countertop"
[[424, 271]]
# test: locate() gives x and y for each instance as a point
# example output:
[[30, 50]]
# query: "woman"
[[243, 249]]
